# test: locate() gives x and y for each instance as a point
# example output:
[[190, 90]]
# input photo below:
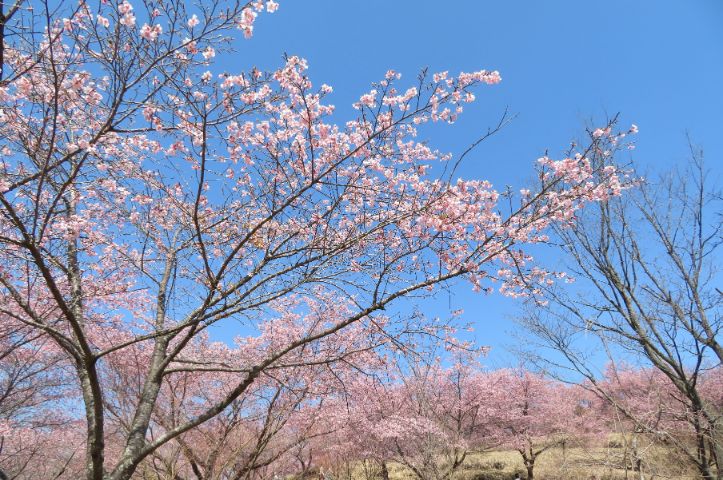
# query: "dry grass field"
[[569, 464], [573, 464]]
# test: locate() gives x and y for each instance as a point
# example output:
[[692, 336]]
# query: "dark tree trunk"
[[385, 471]]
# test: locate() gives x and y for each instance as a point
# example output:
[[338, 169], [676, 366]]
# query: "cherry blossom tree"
[[145, 199], [534, 414], [445, 417], [426, 417]]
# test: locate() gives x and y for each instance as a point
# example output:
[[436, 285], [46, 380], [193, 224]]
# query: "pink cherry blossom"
[[125, 7], [150, 33]]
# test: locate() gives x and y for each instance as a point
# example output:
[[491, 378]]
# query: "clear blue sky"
[[563, 63]]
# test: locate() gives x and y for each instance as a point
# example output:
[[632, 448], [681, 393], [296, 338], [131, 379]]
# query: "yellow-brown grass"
[[569, 464]]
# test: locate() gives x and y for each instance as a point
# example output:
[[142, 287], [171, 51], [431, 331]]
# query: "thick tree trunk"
[[95, 446], [529, 461], [137, 438]]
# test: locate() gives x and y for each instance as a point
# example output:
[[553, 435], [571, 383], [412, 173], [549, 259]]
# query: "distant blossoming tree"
[[535, 414], [429, 420], [145, 198]]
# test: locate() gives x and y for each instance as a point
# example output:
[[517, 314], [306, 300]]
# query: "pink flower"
[[125, 7], [209, 53], [368, 99], [128, 20], [392, 75], [271, 6], [148, 112], [151, 33], [193, 21], [599, 132], [103, 21], [248, 16]]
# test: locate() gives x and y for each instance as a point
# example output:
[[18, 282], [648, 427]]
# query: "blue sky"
[[563, 63]]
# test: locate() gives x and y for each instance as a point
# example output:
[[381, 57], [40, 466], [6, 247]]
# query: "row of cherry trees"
[[433, 418], [421, 415]]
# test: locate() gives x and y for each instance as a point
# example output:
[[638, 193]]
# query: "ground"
[[570, 464]]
